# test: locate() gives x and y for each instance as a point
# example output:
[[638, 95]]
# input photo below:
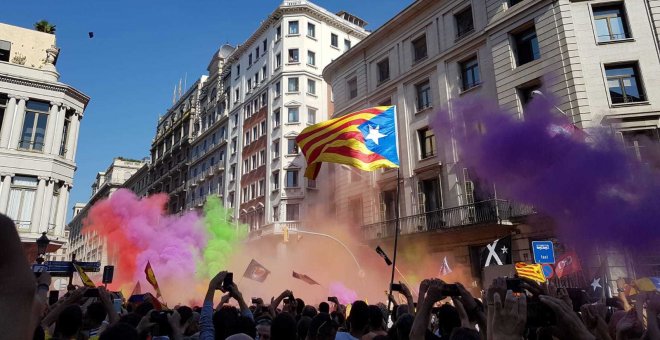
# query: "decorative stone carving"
[[51, 55]]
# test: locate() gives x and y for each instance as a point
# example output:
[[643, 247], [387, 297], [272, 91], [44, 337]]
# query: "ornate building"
[[40, 120]]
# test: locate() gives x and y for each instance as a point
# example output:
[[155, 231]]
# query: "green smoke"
[[224, 238]]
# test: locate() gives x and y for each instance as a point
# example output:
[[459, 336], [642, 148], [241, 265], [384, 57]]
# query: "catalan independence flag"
[[530, 271], [83, 276], [366, 139]]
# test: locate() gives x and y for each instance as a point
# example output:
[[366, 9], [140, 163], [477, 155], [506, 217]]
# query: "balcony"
[[276, 228], [484, 212], [218, 168]]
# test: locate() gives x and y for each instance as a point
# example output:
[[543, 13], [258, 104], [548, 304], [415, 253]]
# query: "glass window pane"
[[28, 124], [40, 132]]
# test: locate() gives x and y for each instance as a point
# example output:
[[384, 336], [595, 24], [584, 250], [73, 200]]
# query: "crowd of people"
[[439, 311]]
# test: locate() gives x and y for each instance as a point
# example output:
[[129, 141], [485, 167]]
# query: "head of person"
[[339, 319], [225, 321], [300, 305], [309, 311], [144, 308], [403, 326], [398, 311], [303, 326], [324, 307], [69, 322], [284, 327], [193, 325], [316, 323], [358, 320], [246, 326], [462, 333], [327, 331], [263, 328], [95, 315], [448, 319], [132, 319], [121, 331], [376, 319]]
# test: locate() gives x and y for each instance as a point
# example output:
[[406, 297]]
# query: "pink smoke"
[[343, 293]]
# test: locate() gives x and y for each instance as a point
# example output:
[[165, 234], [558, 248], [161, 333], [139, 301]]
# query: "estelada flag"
[[151, 278], [530, 271], [255, 271], [137, 289], [366, 139], [567, 264], [83, 276], [305, 278]]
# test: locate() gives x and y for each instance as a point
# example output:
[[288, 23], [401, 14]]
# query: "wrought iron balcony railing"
[[484, 212]]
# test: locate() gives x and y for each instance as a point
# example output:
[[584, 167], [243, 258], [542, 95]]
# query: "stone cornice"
[[66, 89]]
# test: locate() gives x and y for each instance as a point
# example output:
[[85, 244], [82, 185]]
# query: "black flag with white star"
[[597, 284], [497, 253]]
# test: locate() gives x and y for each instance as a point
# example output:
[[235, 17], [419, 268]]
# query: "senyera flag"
[[83, 276], [530, 271], [366, 139], [151, 278]]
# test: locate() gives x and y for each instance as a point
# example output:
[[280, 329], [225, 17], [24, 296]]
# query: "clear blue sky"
[[139, 51]]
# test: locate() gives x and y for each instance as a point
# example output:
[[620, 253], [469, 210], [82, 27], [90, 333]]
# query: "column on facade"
[[7, 122], [60, 217], [50, 126], [17, 124], [4, 192], [59, 129], [38, 205], [72, 143], [47, 207]]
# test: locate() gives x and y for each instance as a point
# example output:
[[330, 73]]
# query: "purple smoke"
[[593, 191]]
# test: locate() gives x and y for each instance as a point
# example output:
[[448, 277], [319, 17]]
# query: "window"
[[419, 48], [388, 205], [256, 53], [356, 210], [430, 200], [423, 91], [526, 92], [623, 83], [383, 67], [311, 183], [278, 32], [278, 89], [514, 2], [347, 45], [293, 55], [311, 116], [292, 147], [262, 187], [644, 145], [264, 99], [262, 157], [470, 73], [265, 45], [311, 30], [250, 59], [293, 27], [247, 138], [351, 85], [254, 162], [5, 48], [426, 143], [3, 107], [276, 180], [276, 118], [610, 23], [237, 94], [464, 23], [233, 145], [232, 172], [255, 133], [292, 178], [263, 74], [278, 60], [246, 166], [34, 126], [263, 128], [276, 213], [21, 200], [334, 40], [293, 84], [276, 148], [311, 58], [238, 70], [249, 85], [293, 116], [311, 86], [527, 46], [292, 212]]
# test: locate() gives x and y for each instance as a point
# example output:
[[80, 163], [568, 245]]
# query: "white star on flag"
[[504, 249], [596, 284], [374, 134]]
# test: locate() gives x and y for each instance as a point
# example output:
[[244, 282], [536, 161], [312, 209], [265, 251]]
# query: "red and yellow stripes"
[[340, 141], [530, 271]]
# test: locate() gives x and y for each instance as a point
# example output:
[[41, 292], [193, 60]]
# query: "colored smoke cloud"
[[590, 187], [343, 293]]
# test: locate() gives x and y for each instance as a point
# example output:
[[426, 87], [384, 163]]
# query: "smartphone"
[[514, 285], [53, 296], [227, 282], [332, 298], [450, 290], [116, 303], [92, 292], [108, 273], [396, 287]]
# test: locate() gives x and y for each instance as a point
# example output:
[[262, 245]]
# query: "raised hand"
[[567, 321], [509, 318]]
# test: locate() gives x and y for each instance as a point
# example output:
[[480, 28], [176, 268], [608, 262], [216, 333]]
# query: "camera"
[[514, 285], [450, 290], [396, 287], [227, 282]]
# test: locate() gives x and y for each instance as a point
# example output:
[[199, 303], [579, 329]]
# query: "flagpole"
[[396, 234]]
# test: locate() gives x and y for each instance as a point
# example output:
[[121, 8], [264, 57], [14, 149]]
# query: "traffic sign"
[[67, 266], [544, 252], [548, 271]]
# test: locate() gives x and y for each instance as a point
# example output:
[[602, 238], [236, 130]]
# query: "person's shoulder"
[[344, 336]]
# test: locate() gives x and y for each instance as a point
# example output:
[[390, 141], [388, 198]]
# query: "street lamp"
[[42, 245]]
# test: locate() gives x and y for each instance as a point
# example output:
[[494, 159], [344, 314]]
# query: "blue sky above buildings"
[[140, 50]]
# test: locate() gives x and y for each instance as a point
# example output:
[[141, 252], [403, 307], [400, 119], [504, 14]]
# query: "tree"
[[44, 26]]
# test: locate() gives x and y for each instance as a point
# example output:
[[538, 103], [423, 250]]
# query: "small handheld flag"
[[83, 276], [137, 290], [366, 139], [151, 278], [444, 269], [382, 254], [567, 264], [305, 278], [530, 271], [255, 271]]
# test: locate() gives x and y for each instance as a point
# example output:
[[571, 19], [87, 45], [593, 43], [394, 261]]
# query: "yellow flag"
[[530, 271], [83, 276]]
